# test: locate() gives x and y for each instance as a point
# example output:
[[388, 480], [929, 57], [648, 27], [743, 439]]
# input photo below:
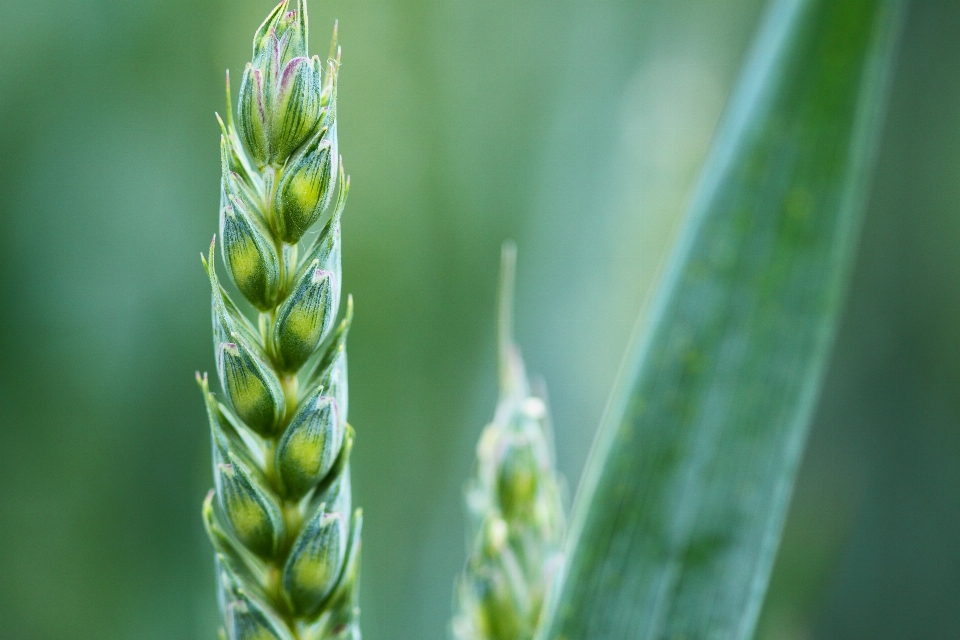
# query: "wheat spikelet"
[[513, 502], [286, 539]]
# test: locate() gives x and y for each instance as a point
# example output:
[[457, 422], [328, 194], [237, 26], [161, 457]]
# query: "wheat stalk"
[[287, 546], [513, 502]]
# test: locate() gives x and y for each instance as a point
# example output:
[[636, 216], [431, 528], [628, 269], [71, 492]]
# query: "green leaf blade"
[[683, 500]]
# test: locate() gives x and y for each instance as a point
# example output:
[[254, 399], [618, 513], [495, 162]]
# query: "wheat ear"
[[286, 540], [513, 502]]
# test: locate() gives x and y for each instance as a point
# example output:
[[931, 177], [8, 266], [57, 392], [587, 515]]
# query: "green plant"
[[679, 513], [287, 545], [513, 501], [678, 516]]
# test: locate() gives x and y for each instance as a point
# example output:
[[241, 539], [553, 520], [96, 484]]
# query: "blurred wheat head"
[[513, 502]]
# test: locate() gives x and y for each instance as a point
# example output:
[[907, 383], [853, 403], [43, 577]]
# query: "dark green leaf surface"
[[683, 500]]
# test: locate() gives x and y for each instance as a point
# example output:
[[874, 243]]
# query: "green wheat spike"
[[286, 538], [513, 502]]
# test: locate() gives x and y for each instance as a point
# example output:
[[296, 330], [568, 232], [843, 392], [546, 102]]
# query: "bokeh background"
[[576, 129]]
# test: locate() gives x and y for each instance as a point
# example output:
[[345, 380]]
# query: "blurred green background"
[[575, 128]]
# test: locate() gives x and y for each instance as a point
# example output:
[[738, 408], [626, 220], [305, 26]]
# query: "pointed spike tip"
[[508, 269], [334, 47], [229, 103]]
